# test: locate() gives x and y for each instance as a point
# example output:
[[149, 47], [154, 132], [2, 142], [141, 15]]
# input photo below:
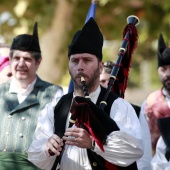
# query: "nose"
[[80, 66], [21, 62]]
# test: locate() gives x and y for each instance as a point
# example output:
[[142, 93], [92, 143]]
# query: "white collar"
[[15, 89], [165, 93], [94, 95]]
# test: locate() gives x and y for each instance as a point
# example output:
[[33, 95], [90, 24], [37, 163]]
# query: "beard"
[[166, 83], [90, 79], [167, 86]]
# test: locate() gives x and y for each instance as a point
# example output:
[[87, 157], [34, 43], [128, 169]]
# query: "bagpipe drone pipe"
[[120, 70]]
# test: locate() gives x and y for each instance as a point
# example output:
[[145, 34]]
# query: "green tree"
[[59, 19]]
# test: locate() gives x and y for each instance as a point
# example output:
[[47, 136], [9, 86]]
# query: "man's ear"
[[38, 62], [101, 65]]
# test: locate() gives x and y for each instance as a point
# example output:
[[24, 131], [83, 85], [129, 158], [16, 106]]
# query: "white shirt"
[[144, 163], [21, 93], [159, 161], [123, 147], [167, 96]]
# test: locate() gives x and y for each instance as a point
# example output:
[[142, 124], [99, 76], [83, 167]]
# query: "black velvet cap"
[[163, 52], [26, 42], [88, 40]]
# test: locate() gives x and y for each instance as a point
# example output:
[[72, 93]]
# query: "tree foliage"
[[111, 16]]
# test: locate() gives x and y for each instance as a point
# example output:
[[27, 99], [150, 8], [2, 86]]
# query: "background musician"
[[157, 104], [116, 139], [21, 100]]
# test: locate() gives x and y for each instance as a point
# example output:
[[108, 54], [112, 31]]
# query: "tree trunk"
[[53, 63]]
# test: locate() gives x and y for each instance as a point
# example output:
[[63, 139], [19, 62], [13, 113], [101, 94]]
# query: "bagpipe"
[[129, 43]]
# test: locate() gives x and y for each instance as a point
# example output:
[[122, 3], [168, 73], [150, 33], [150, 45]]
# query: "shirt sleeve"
[[123, 147], [144, 163], [44, 129], [159, 161]]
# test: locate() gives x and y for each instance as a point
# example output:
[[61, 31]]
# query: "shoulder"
[[123, 104], [47, 85], [154, 94], [4, 87], [67, 98], [111, 96], [153, 97]]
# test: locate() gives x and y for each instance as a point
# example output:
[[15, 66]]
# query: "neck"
[[168, 92], [79, 91], [22, 84]]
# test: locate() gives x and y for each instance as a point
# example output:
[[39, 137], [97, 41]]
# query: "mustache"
[[81, 75], [167, 79]]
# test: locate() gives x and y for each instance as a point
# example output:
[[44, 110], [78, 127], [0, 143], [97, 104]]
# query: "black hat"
[[87, 40], [163, 52], [25, 42]]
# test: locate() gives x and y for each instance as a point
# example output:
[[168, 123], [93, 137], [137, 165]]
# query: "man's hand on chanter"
[[78, 137], [54, 145]]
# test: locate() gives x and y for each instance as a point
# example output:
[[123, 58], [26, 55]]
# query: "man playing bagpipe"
[[97, 139]]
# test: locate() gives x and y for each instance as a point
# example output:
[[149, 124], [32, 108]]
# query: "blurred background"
[[59, 19]]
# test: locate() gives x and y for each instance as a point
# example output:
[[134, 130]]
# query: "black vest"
[[60, 116]]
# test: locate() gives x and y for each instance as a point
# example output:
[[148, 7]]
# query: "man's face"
[[104, 79], [24, 66], [164, 75], [85, 65]]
